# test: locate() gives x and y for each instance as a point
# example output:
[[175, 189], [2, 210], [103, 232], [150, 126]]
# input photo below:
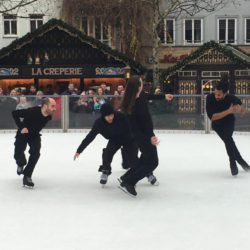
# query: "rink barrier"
[[165, 115]]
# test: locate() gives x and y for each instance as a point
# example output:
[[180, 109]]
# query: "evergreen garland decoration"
[[241, 50], [136, 67]]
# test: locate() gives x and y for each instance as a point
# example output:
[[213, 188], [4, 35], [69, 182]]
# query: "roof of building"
[[235, 55], [18, 44]]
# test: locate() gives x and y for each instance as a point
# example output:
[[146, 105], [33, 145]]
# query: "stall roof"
[[74, 32]]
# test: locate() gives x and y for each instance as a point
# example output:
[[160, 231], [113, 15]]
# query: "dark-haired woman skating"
[[135, 105]]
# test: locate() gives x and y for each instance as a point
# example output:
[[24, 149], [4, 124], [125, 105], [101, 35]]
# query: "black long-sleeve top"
[[213, 106], [118, 130], [140, 119], [32, 119]]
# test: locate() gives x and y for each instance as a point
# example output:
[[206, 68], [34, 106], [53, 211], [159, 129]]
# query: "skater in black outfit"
[[220, 107], [113, 126], [134, 104], [30, 122]]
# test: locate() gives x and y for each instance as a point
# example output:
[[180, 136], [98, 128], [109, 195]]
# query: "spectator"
[[39, 97], [71, 89], [84, 109], [116, 101], [32, 90], [104, 88], [49, 90], [99, 101], [13, 94], [23, 104], [7, 105], [1, 91], [120, 88], [158, 90]]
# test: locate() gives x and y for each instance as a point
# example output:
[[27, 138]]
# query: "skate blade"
[[157, 183], [28, 187], [103, 185], [126, 192]]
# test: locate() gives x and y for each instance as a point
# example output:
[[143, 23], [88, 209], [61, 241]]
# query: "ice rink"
[[197, 206]]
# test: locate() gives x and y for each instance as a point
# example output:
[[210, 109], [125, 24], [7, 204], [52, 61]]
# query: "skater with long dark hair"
[[114, 127], [220, 107], [135, 106], [30, 122]]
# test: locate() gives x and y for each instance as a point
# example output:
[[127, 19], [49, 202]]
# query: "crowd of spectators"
[[87, 102]]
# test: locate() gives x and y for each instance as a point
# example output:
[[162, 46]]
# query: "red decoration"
[[172, 59]]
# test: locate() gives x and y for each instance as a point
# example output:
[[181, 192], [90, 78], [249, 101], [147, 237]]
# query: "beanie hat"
[[106, 109]]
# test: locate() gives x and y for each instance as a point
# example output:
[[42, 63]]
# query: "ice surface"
[[198, 205]]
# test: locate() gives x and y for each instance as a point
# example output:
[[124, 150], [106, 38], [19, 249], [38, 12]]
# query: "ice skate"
[[19, 170], [27, 182], [234, 169], [152, 180], [244, 165], [104, 178], [126, 188]]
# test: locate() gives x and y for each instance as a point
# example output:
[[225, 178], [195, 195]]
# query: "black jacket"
[[118, 130], [213, 106], [32, 119], [140, 119]]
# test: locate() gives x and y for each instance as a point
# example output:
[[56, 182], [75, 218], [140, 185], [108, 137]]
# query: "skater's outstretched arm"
[[168, 97], [88, 139]]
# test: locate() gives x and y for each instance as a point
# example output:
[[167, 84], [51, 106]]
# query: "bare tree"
[[7, 6], [162, 9], [137, 17], [20, 7], [128, 15]]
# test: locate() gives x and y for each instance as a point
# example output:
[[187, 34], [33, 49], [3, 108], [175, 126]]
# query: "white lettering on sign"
[[56, 71], [9, 71]]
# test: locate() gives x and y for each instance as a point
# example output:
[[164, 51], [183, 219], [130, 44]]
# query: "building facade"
[[20, 21], [179, 38]]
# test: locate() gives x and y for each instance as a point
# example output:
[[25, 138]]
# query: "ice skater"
[[135, 106], [114, 127], [30, 122], [220, 107]]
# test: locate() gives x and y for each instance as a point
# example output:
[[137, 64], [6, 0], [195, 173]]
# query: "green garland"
[[18, 43], [209, 45]]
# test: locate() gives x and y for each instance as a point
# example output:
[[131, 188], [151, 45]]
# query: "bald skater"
[[30, 122]]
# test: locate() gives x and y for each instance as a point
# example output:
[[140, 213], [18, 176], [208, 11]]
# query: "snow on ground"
[[198, 205]]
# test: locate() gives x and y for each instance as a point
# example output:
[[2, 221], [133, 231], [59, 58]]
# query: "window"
[[101, 31], [96, 28], [214, 73], [36, 21], [227, 30], [247, 30], [10, 25], [85, 25], [166, 31], [187, 73], [193, 31], [242, 72]]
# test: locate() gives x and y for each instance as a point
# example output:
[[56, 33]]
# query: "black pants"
[[129, 154], [20, 145], [225, 131], [148, 162]]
